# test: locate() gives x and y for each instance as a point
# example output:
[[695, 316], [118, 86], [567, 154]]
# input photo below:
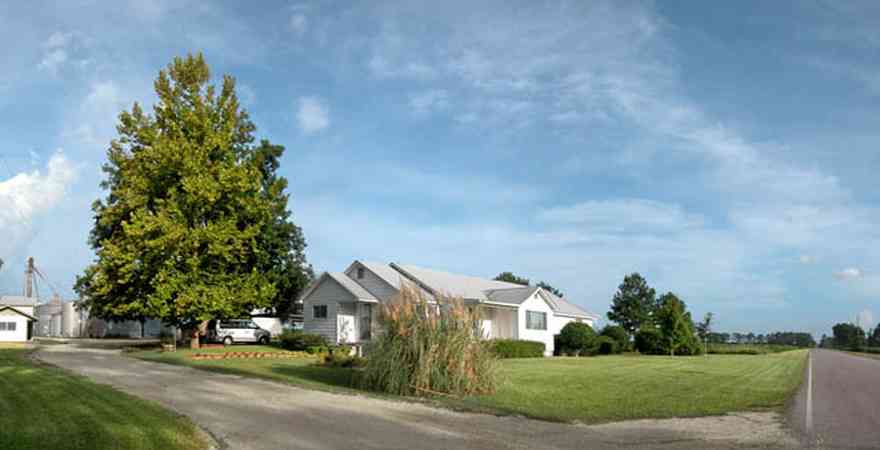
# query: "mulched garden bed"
[[251, 355]]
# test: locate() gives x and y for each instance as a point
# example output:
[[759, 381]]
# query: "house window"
[[536, 320], [319, 311], [360, 273], [7, 326]]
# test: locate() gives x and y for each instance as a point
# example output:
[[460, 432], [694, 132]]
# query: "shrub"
[[296, 340], [607, 346], [510, 348], [618, 334], [341, 357], [576, 338], [425, 348], [649, 341], [316, 349]]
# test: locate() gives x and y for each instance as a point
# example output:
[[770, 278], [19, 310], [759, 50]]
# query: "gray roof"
[[352, 286], [467, 287], [513, 296], [17, 300], [481, 289], [564, 307]]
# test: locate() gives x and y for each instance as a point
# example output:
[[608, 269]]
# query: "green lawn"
[[588, 390], [630, 387], [46, 408]]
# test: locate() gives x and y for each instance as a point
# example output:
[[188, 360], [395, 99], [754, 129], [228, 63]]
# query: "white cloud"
[[428, 101], [27, 195], [625, 215], [299, 24], [807, 259], [382, 68], [94, 121], [56, 52], [849, 274], [312, 115], [53, 60], [864, 319], [58, 39]]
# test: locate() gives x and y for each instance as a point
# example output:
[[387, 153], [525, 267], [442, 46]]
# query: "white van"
[[233, 331]]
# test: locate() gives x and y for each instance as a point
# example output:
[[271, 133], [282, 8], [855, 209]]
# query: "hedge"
[[510, 348], [298, 341]]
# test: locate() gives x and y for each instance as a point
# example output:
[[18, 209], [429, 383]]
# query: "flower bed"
[[251, 355]]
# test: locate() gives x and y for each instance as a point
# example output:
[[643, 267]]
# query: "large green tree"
[[282, 257], [874, 338], [675, 325], [633, 304], [848, 336], [194, 226]]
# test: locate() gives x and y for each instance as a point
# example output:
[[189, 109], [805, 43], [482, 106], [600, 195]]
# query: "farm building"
[[16, 318]]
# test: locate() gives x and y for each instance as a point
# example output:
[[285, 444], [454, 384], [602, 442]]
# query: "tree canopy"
[[511, 278], [675, 325], [848, 336], [195, 223], [633, 304]]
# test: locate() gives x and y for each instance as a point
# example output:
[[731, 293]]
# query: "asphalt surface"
[[246, 413], [845, 402]]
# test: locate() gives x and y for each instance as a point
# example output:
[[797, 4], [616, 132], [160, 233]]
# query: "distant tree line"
[[848, 336], [794, 338]]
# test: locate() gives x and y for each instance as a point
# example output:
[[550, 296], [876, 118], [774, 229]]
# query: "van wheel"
[[264, 340], [227, 340]]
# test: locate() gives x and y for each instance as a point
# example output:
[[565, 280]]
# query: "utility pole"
[[29, 278]]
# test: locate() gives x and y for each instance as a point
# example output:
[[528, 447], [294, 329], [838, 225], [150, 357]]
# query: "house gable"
[[10, 311], [374, 279]]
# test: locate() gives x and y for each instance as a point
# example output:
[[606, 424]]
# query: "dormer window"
[[360, 273]]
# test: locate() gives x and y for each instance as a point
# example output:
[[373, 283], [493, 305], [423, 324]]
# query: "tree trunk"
[[194, 339]]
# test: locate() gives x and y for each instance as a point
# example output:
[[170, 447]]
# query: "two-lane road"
[[844, 404]]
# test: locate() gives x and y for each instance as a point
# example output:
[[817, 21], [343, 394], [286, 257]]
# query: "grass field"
[[46, 408], [587, 390]]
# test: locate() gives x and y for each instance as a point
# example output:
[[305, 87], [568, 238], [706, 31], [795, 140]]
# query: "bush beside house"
[[510, 348], [295, 340], [576, 339]]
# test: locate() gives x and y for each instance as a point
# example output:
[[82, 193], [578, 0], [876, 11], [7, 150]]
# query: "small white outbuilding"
[[15, 325]]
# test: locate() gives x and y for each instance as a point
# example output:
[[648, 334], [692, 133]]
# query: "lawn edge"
[[212, 442], [460, 404]]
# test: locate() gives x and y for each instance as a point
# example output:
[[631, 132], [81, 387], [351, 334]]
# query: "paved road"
[[243, 413], [845, 402]]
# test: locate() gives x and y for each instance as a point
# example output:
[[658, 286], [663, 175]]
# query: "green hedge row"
[[509, 348]]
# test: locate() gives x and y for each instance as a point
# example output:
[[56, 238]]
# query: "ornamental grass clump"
[[426, 348]]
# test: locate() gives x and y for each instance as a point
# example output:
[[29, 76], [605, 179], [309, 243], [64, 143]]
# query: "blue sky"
[[725, 151]]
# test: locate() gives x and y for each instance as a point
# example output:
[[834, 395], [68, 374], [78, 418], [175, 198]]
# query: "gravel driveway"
[[245, 413]]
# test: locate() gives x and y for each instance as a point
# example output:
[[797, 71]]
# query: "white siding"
[[329, 293], [21, 325], [372, 283], [537, 304]]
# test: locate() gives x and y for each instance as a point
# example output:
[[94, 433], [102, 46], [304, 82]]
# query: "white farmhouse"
[[342, 306], [16, 318]]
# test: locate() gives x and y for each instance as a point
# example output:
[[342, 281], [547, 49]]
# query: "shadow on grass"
[[328, 376]]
